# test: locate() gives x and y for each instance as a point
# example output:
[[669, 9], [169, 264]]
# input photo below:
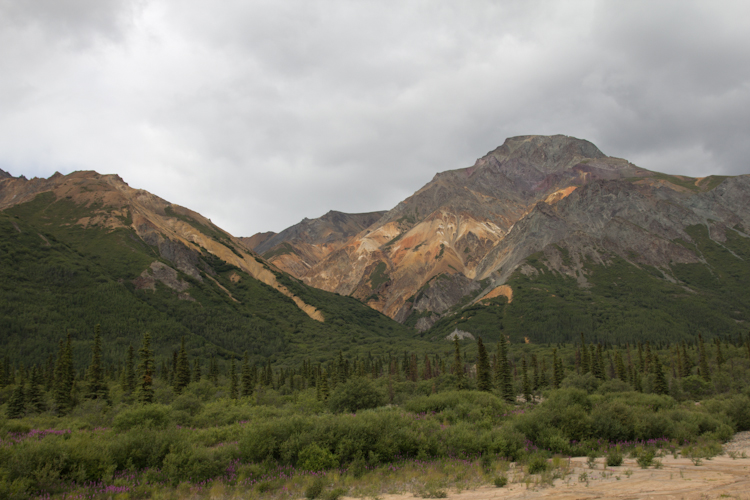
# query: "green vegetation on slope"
[[623, 302], [75, 278]]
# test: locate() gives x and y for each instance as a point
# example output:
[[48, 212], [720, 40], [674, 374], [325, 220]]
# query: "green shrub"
[[614, 457], [358, 393], [315, 458], [645, 458], [337, 493], [538, 463], [153, 416], [501, 481], [315, 489]]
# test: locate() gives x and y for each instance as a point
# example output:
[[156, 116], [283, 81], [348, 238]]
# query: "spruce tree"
[[427, 373], [128, 374], [63, 377], [557, 370], [35, 395], [504, 381], [97, 387], [660, 381], [182, 369], [247, 376], [17, 402], [458, 365], [703, 360], [484, 379], [687, 363], [526, 383], [585, 358], [324, 386], [719, 354], [233, 392], [146, 371], [543, 382], [620, 367], [197, 370]]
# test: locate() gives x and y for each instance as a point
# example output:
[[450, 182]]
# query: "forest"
[[136, 428]]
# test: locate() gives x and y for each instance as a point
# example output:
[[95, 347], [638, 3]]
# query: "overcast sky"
[[259, 113]]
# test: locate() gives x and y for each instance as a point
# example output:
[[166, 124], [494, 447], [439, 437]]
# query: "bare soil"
[[680, 478]]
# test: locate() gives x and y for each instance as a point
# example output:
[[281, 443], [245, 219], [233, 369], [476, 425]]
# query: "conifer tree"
[[35, 396], [719, 354], [641, 364], [585, 359], [458, 365], [484, 379], [535, 373], [182, 369], [557, 370], [703, 360], [247, 376], [620, 367], [213, 370], [63, 377], [598, 364], [233, 392], [427, 373], [146, 371], [687, 363], [543, 382], [17, 402], [504, 381], [3, 377], [526, 383], [197, 370], [413, 373], [128, 374], [324, 386], [97, 387], [660, 381]]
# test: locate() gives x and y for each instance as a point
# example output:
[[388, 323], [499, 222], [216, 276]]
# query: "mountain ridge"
[[478, 224]]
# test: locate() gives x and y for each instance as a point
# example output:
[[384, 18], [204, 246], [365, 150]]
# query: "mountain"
[[86, 249], [544, 207], [298, 248]]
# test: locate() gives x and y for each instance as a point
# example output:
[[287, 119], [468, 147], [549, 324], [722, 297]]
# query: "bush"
[[614, 457], [644, 458], [315, 489], [501, 481], [314, 458], [154, 416], [355, 394], [337, 493], [538, 463]]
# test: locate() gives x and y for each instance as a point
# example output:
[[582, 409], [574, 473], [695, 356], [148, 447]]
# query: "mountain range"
[[543, 239], [468, 234]]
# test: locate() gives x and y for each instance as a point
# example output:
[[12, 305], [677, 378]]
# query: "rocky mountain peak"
[[548, 154]]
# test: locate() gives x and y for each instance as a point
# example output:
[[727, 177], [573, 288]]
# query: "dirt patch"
[[503, 290], [678, 478]]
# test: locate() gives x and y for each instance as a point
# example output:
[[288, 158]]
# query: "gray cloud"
[[260, 113]]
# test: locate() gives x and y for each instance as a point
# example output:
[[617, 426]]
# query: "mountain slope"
[[464, 236], [85, 248], [298, 248]]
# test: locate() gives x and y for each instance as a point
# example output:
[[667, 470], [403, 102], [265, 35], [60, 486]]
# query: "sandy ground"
[[720, 477]]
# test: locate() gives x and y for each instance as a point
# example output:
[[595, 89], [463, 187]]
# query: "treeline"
[[683, 370]]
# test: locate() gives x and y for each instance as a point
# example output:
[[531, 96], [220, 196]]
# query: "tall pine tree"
[[146, 371], [484, 379], [458, 365], [97, 387], [182, 369]]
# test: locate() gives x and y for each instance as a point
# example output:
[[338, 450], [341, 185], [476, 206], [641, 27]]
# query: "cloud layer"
[[260, 113]]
